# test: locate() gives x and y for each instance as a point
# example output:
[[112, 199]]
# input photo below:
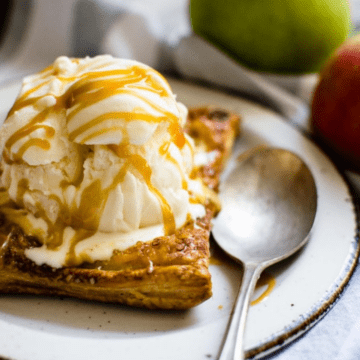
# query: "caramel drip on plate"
[[266, 279], [80, 92]]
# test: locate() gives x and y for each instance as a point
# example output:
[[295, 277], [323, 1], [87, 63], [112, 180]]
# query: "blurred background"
[[34, 32], [157, 32]]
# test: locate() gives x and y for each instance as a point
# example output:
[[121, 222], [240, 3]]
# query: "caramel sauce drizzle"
[[26, 130], [164, 151], [88, 89]]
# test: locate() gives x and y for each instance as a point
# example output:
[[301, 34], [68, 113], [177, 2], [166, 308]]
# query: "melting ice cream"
[[94, 158]]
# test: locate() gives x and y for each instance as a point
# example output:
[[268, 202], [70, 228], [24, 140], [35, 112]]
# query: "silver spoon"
[[269, 203]]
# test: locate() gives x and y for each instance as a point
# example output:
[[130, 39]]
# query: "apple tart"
[[169, 272], [108, 186]]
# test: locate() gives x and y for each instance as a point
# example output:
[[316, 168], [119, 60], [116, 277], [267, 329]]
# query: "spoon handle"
[[233, 346]]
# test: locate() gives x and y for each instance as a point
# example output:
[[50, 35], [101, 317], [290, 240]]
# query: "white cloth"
[[157, 32]]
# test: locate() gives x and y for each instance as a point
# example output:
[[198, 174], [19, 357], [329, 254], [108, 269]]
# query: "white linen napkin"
[[350, 348]]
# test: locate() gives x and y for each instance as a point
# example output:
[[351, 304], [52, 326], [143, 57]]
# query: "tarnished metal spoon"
[[269, 203]]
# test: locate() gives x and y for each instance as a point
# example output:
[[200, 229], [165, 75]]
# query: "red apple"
[[336, 103]]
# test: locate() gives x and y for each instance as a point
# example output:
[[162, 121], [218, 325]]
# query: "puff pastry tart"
[[139, 236]]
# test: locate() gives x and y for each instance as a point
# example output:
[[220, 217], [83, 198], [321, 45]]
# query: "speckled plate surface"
[[306, 285]]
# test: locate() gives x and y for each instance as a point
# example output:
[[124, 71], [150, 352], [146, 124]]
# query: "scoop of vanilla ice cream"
[[94, 152]]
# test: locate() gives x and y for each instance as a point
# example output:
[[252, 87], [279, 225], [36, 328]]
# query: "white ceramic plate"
[[306, 285]]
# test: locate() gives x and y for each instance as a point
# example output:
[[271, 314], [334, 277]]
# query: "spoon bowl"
[[269, 203]]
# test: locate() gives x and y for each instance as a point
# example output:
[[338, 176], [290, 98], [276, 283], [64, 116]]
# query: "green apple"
[[277, 36], [335, 111]]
